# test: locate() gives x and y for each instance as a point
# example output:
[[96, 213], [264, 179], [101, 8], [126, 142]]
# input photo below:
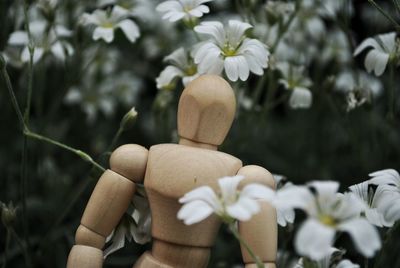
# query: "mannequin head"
[[206, 110]]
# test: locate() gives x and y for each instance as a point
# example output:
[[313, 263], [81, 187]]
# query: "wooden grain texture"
[[256, 174], [266, 265], [148, 261], [130, 161], [260, 233], [85, 257], [109, 201], [180, 256], [172, 171], [206, 110], [87, 237]]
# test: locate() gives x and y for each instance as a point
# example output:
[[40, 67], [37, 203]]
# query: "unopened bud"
[[3, 62], [8, 214], [129, 119]]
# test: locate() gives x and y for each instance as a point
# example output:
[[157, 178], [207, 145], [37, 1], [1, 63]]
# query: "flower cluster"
[[329, 213]]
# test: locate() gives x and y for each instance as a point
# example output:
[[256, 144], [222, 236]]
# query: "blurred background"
[[81, 100]]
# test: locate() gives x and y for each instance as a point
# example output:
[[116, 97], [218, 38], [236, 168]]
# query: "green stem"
[[8, 236], [384, 13], [391, 99], [24, 162], [79, 153], [31, 134], [14, 101], [115, 139], [247, 247], [284, 29], [23, 247], [31, 48], [396, 3]]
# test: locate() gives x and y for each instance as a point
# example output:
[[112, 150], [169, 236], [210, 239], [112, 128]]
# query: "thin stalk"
[[14, 101], [8, 236], [391, 99], [384, 13], [31, 134], [396, 3], [284, 29], [24, 162], [31, 48], [23, 247], [115, 139], [249, 250], [79, 153]]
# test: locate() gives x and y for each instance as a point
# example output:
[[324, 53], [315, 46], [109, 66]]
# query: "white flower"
[[175, 10], [135, 225], [389, 182], [229, 204], [44, 39], [384, 49], [373, 199], [294, 79], [333, 257], [284, 211], [230, 49], [360, 87], [108, 21], [181, 66], [329, 212]]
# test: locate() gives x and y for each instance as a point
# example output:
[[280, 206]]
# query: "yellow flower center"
[[107, 25], [191, 70], [327, 220], [228, 50]]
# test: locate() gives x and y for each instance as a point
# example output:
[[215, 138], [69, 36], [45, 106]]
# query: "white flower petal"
[[236, 30], [228, 186], [203, 193], [130, 29], [386, 176], [58, 51], [107, 34], [213, 28], [377, 61], [363, 234], [301, 98], [314, 240], [258, 191], [194, 212], [167, 76], [243, 209], [369, 42], [18, 38]]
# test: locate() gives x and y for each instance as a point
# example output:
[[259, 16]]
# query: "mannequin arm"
[[107, 204], [260, 232]]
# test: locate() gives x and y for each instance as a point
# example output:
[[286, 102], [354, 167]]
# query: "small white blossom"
[[135, 225], [294, 79], [328, 212], [175, 10], [182, 65], [389, 182], [106, 22], [384, 49], [228, 204], [230, 49], [373, 199], [44, 39], [332, 260]]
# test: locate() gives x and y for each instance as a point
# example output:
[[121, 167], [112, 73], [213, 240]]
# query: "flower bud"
[[8, 214], [129, 119], [3, 62]]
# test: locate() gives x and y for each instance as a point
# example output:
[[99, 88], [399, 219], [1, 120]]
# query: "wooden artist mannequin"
[[205, 114]]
